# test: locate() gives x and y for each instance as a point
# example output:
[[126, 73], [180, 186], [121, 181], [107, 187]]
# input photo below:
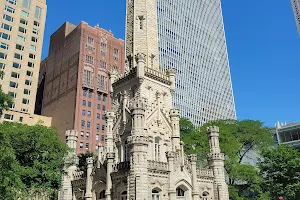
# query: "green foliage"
[[32, 159], [237, 140], [280, 168], [5, 100]]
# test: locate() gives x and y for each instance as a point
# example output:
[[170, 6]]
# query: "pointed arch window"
[[205, 196], [155, 195], [180, 194], [124, 195], [157, 149], [102, 195]]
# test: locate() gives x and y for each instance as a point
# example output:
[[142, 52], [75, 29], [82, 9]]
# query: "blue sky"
[[263, 47]]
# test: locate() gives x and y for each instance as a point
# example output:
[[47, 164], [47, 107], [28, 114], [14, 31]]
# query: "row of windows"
[[87, 146], [15, 64], [90, 105], [88, 113], [26, 4], [88, 125], [87, 135], [90, 95], [11, 117]]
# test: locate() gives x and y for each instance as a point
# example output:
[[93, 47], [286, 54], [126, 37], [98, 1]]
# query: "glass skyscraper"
[[192, 40]]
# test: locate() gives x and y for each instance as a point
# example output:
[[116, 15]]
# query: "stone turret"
[[138, 144], [216, 162], [110, 155], [70, 161], [171, 74], [90, 164], [175, 117], [195, 191]]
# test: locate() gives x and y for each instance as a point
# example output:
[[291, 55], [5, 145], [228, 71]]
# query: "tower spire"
[[141, 32]]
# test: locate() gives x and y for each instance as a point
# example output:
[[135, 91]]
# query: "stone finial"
[[110, 155], [212, 131], [71, 138], [193, 158], [174, 113], [171, 72], [90, 161], [109, 115], [138, 104], [170, 154], [140, 57]]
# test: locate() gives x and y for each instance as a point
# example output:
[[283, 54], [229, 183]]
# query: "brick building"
[[73, 81]]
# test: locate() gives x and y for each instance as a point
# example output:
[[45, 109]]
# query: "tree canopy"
[[5, 99], [239, 141], [280, 167], [31, 160]]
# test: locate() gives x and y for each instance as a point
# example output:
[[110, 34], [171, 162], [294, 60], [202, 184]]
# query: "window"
[[116, 54], [87, 76], [3, 55], [81, 145], [103, 47], [84, 102], [180, 193], [98, 127], [27, 82], [83, 113], [24, 13], [30, 64], [9, 9], [124, 195], [89, 113], [13, 84], [21, 119], [102, 137], [125, 152], [4, 46], [87, 146], [26, 91], [25, 101], [104, 99], [82, 134], [18, 56], [90, 94], [21, 38], [89, 104], [157, 149], [36, 23], [12, 94], [155, 195], [14, 2], [4, 36], [102, 195], [103, 64], [26, 3], [97, 137], [32, 56], [89, 59], [32, 47], [22, 30], [2, 65], [90, 40], [8, 117], [15, 75], [34, 39], [11, 105], [23, 21], [38, 12], [103, 127], [103, 108], [17, 65], [205, 196], [19, 47], [98, 115], [6, 27], [84, 93], [82, 123], [87, 135], [100, 81], [35, 31], [8, 18], [98, 97], [98, 106], [29, 73]]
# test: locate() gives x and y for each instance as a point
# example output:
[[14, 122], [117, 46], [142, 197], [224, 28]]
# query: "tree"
[[280, 167], [32, 160], [5, 99], [238, 139], [82, 165]]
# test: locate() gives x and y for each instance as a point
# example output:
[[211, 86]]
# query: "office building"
[[296, 9], [74, 81], [21, 40], [288, 134], [192, 40]]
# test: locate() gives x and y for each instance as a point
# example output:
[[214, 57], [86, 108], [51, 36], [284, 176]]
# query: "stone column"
[[110, 155], [71, 159], [171, 74], [216, 162], [88, 193], [172, 189], [113, 75], [195, 191], [141, 62], [175, 117]]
